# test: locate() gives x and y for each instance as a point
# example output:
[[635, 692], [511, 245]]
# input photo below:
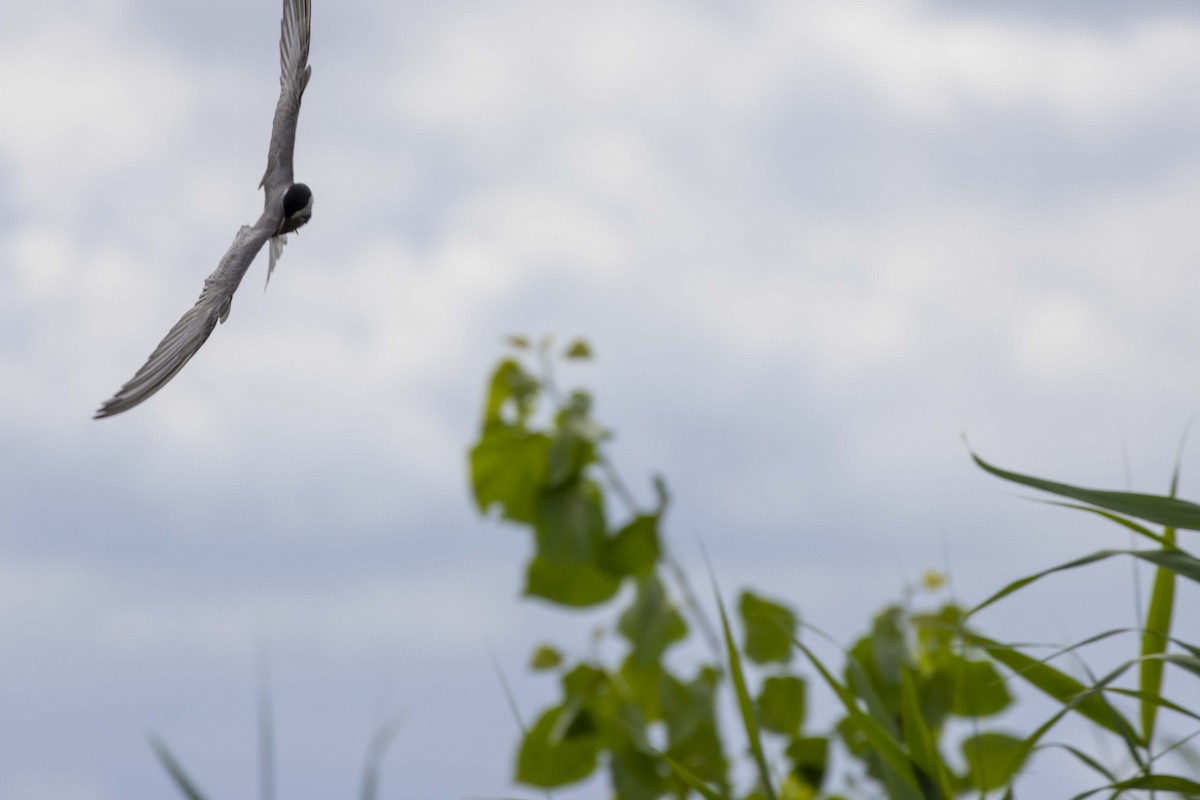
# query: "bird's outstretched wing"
[[294, 72], [194, 327]]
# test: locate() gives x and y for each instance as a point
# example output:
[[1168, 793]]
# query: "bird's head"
[[297, 207]]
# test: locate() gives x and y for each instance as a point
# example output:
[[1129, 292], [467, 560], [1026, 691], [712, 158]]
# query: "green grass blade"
[[1053, 682], [1021, 583], [1157, 632], [880, 739], [1149, 783], [184, 783], [745, 703], [1168, 511], [920, 740], [689, 778], [1175, 561], [376, 750], [1077, 703], [1155, 700], [1086, 760], [1140, 530]]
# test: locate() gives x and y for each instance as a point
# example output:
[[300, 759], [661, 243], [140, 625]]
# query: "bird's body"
[[287, 206]]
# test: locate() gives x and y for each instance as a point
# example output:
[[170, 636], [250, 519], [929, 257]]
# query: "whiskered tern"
[[288, 206]]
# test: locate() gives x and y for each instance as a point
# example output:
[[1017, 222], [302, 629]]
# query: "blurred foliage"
[[917, 692]]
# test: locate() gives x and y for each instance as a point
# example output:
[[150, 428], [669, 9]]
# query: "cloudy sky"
[[812, 241]]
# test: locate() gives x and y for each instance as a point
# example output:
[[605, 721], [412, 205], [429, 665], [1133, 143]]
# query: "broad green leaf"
[[762, 610], [992, 759], [573, 448], [569, 522], [508, 467], [557, 751], [544, 658], [579, 349], [689, 709], [636, 774], [511, 390], [634, 550], [1168, 511], [979, 689], [770, 628], [577, 585], [688, 706], [782, 704], [643, 685], [793, 788], [179, 776], [809, 757], [1056, 684], [651, 624]]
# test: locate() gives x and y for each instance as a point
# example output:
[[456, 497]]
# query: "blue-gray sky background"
[[812, 242]]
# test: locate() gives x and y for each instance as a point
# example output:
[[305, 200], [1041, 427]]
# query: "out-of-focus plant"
[[539, 464]]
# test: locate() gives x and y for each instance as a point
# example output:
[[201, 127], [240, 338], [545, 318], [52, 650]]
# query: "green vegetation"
[[654, 728]]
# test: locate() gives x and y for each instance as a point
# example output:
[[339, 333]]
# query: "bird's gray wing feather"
[[194, 328], [294, 73]]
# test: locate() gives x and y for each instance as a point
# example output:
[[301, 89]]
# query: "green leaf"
[[1157, 630], [651, 624], [579, 349], [809, 757], [635, 549], [689, 710], [979, 689], [558, 750], [770, 628], [1169, 511], [511, 397], [519, 342], [782, 704], [636, 774], [880, 739], [1152, 783], [1054, 683], [745, 705], [545, 658], [643, 685], [1176, 561], [691, 780], [576, 585], [376, 750], [508, 467], [922, 744], [569, 523], [179, 776], [573, 446], [992, 760]]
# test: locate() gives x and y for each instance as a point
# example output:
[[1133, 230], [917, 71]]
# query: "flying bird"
[[288, 206]]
